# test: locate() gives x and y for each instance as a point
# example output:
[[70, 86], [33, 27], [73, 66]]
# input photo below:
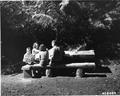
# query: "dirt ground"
[[16, 85]]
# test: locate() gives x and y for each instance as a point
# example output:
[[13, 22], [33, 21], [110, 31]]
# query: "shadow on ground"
[[97, 72]]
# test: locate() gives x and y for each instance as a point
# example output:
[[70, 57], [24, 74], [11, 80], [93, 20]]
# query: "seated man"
[[56, 54]]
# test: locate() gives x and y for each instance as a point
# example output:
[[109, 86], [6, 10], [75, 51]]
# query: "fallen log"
[[81, 65], [84, 52], [27, 70], [71, 65], [85, 59], [80, 56]]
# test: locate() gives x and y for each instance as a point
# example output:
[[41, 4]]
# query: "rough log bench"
[[86, 57], [27, 69]]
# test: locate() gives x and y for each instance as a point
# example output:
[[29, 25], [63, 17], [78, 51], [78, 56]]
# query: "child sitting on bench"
[[28, 57]]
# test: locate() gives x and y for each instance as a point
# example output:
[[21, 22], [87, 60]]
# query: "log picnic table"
[[80, 66]]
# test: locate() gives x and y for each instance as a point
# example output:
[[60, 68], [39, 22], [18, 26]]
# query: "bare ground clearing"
[[16, 85]]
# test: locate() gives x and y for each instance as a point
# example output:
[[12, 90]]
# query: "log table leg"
[[27, 73], [48, 73], [79, 72], [36, 72]]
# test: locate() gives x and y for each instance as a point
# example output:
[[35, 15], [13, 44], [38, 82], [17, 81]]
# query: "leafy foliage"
[[94, 23]]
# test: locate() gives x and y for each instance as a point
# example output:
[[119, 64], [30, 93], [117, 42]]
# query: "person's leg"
[[37, 73], [79, 72], [33, 74], [48, 73]]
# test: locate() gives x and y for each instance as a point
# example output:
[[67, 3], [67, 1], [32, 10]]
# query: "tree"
[[74, 22]]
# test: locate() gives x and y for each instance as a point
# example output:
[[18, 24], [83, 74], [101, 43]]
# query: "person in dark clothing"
[[56, 53]]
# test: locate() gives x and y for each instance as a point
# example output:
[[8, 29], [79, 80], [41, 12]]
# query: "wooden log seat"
[[27, 70], [86, 59], [80, 56]]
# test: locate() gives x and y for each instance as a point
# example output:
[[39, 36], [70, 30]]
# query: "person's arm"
[[47, 56], [24, 59], [52, 55], [63, 53], [37, 51], [39, 57], [32, 59], [33, 51]]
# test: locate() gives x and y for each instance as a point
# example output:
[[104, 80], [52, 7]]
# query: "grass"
[[16, 85], [60, 86]]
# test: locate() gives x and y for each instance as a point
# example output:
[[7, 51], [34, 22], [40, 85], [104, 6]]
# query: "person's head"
[[42, 47], [28, 50], [35, 45], [107, 15], [54, 43]]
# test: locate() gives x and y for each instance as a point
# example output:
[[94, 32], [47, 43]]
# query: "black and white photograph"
[[60, 47]]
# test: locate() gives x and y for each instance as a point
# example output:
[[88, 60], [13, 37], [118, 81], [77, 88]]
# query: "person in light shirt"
[[28, 57], [43, 59], [35, 50]]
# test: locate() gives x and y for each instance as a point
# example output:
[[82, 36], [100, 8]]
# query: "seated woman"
[[28, 57], [35, 49], [43, 55], [43, 59]]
